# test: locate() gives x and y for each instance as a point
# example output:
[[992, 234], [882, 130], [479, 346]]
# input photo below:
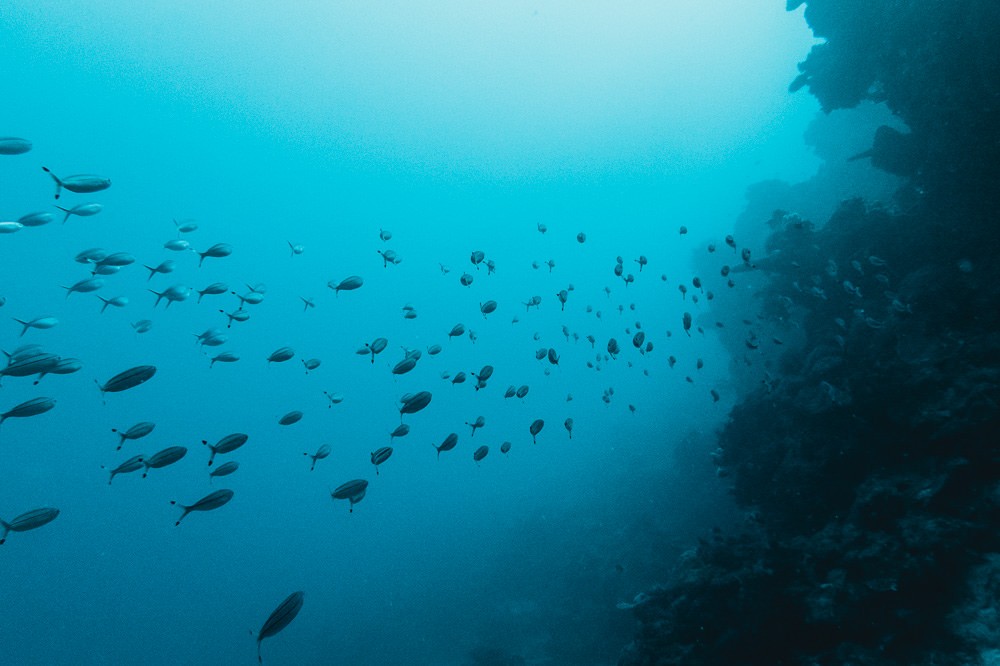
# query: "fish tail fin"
[[202, 256], [65, 210], [152, 272], [106, 304], [25, 324], [6, 530], [159, 295], [59, 183]]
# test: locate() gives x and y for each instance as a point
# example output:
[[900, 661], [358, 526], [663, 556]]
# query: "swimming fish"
[[209, 502], [280, 618], [81, 183]]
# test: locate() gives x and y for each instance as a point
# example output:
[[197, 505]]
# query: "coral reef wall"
[[868, 462]]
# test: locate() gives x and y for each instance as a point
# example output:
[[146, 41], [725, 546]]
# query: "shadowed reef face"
[[866, 458]]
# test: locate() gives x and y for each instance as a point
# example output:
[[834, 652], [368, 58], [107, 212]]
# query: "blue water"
[[458, 129]]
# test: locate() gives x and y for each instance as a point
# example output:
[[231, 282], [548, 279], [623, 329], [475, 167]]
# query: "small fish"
[[290, 418], [321, 453], [449, 443], [32, 407], [352, 490], [535, 428], [11, 145], [218, 251], [227, 444], [225, 469], [80, 184], [379, 456], [296, 249], [480, 453], [117, 302], [85, 286], [133, 464], [281, 355], [505, 448], [10, 227], [167, 456], [128, 379], [40, 323], [568, 424], [173, 294], [142, 326], [177, 245], [213, 289], [347, 284], [28, 521], [138, 431], [280, 618], [402, 430], [185, 226], [81, 210], [478, 423], [209, 502]]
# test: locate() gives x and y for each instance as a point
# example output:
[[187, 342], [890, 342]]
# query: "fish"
[[389, 257], [253, 298], [377, 346], [535, 428], [28, 520], [568, 424], [290, 418], [209, 502], [213, 289], [449, 443], [227, 444], [402, 430], [177, 245], [90, 255], [281, 355], [334, 398], [175, 293], [142, 326], [307, 303], [117, 301], [185, 226], [217, 251], [164, 267], [347, 284], [280, 618], [478, 423], [380, 455], [580, 238], [238, 315], [487, 308], [131, 465], [41, 323], [310, 364], [167, 456], [10, 227], [415, 403], [85, 286], [138, 431], [32, 407], [505, 448], [404, 366], [128, 379], [352, 490], [12, 145], [295, 248], [80, 183], [321, 452], [522, 391], [225, 469], [384, 235], [81, 210], [480, 453], [465, 280]]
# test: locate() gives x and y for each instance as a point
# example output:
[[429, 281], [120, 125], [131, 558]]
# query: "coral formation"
[[869, 462]]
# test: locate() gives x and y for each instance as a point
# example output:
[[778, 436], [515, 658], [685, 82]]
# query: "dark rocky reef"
[[869, 463]]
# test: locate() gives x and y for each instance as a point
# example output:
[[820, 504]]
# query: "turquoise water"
[[457, 129]]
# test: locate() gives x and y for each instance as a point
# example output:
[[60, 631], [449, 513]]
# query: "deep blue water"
[[457, 129]]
